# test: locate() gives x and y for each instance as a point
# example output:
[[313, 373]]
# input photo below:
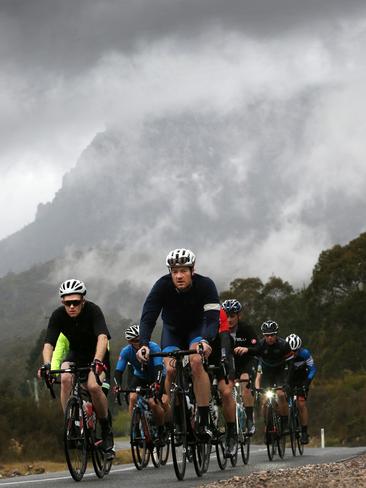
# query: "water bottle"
[[89, 414]]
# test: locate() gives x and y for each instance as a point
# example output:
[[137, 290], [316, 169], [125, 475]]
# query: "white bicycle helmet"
[[180, 257], [71, 286], [132, 332], [294, 342]]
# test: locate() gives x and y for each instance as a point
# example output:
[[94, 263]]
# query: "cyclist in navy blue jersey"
[[190, 308], [302, 370]]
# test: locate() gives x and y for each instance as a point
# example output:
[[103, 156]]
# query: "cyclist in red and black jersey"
[[242, 335], [82, 322]]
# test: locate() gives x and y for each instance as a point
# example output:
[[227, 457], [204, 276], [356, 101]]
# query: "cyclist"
[[222, 352], [301, 373], [83, 324], [243, 335], [153, 373], [274, 353], [190, 309]]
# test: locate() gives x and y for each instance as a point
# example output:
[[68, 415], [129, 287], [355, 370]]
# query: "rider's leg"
[[228, 402], [157, 411], [248, 400], [100, 403], [66, 386], [132, 402], [201, 387]]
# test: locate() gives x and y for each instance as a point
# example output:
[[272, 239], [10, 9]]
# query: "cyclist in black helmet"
[[274, 353]]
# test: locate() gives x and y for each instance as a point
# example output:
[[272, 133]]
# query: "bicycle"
[[183, 436], [81, 429], [144, 436], [217, 419], [274, 439], [294, 421], [241, 423]]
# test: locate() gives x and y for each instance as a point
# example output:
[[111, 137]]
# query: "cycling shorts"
[[171, 341], [135, 381], [273, 376]]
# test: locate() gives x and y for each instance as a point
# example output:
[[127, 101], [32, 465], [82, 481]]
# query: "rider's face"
[[233, 320], [182, 277], [73, 304], [135, 343], [270, 338]]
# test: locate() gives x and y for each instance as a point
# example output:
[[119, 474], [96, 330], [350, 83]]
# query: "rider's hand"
[[117, 389], [44, 371], [205, 348], [155, 388], [143, 354], [98, 367], [240, 350]]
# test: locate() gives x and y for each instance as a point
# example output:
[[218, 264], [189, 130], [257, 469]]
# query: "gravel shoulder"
[[344, 474]]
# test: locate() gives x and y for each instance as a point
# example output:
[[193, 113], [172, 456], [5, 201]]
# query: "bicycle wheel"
[[281, 438], [75, 441], [270, 433], [201, 457], [155, 454], [98, 460], [292, 430], [219, 439], [179, 434], [165, 450], [139, 450], [300, 446], [245, 449]]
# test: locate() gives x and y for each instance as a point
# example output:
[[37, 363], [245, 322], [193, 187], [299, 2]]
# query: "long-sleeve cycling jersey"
[[302, 365], [272, 355], [149, 372], [183, 312]]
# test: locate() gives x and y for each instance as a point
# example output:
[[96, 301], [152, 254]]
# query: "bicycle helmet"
[[71, 286], [132, 332], [232, 305], [180, 257], [294, 342], [269, 327]]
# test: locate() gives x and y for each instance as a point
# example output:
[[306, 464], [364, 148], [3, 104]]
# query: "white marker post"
[[322, 437]]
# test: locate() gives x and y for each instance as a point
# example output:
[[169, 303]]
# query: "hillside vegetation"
[[329, 314]]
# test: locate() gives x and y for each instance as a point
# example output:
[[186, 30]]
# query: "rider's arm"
[[47, 353], [211, 311], [150, 312], [121, 365], [60, 351], [102, 344], [309, 364]]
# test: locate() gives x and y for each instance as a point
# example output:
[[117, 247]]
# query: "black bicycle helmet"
[[269, 327]]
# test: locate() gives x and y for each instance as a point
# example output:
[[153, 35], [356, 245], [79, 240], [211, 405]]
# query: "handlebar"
[[71, 370]]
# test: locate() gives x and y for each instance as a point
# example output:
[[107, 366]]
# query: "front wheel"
[[140, 453], [271, 433], [245, 449], [75, 441], [179, 434], [293, 434]]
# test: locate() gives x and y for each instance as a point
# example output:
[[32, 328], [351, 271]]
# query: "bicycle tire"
[[300, 446], [219, 439], [165, 450], [270, 433], [155, 454], [292, 430], [139, 449], [280, 438], [75, 440], [178, 438], [98, 460], [245, 449]]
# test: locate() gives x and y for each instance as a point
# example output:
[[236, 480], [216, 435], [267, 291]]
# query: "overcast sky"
[[72, 68]]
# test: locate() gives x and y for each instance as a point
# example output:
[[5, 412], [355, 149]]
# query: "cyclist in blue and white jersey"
[[152, 374], [302, 370], [190, 308]]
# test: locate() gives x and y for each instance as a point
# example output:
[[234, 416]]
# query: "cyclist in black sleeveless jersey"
[[82, 323], [189, 307]]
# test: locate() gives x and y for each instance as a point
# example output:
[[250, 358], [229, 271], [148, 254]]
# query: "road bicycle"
[[294, 421], [274, 439], [144, 435], [184, 440], [217, 419], [82, 433], [243, 436]]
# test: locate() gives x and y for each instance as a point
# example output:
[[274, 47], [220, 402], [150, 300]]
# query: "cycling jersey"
[[272, 355], [149, 372], [188, 315], [82, 331], [302, 368], [244, 336]]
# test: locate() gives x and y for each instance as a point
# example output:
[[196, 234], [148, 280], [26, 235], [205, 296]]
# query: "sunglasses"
[[74, 303], [270, 335]]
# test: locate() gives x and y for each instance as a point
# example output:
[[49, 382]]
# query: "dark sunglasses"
[[74, 303], [269, 335]]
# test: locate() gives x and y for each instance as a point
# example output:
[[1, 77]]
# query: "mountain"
[[221, 185]]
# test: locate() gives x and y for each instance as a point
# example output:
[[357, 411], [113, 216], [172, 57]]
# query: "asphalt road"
[[128, 476]]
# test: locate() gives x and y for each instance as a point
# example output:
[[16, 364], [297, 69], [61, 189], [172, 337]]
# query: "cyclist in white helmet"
[[190, 308], [83, 324], [302, 370]]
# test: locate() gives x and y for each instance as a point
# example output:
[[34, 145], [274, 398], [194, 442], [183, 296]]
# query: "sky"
[[73, 68]]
